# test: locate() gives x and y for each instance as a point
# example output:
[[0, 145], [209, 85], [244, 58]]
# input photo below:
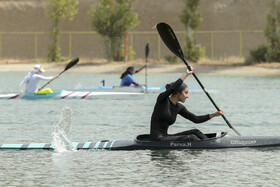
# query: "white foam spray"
[[62, 132]]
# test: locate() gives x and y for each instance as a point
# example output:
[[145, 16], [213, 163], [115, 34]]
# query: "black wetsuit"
[[165, 113]]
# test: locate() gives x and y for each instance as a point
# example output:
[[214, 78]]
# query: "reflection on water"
[[215, 167], [175, 164]]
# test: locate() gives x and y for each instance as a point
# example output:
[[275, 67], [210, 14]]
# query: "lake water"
[[251, 103]]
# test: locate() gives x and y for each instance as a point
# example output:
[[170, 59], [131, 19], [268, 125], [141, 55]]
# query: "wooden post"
[[36, 45], [70, 45], [125, 47], [0, 45]]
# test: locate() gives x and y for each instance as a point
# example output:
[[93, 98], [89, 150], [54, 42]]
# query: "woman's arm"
[[141, 68], [198, 119], [171, 89], [187, 73], [41, 77], [192, 117]]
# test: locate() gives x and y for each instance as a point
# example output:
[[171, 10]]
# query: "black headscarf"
[[127, 71], [178, 89]]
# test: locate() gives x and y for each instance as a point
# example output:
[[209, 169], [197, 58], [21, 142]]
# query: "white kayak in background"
[[122, 89], [72, 95], [139, 89]]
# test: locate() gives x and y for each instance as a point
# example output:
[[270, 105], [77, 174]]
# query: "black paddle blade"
[[72, 63], [147, 50], [169, 38]]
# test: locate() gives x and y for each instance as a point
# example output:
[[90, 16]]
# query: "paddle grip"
[[146, 76]]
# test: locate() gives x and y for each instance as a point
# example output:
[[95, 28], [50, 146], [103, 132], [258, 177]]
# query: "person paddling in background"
[[166, 109], [33, 77], [127, 78]]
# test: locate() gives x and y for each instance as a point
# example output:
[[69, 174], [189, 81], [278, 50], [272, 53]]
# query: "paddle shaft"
[[208, 95], [147, 51], [146, 75], [68, 66], [51, 80]]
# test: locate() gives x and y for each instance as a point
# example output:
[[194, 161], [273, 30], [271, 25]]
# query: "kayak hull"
[[137, 89], [142, 142], [72, 95], [133, 89]]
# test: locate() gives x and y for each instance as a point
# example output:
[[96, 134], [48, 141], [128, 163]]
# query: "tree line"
[[112, 19]]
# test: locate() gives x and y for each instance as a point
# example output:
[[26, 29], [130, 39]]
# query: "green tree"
[[112, 19], [191, 19], [57, 10], [272, 32]]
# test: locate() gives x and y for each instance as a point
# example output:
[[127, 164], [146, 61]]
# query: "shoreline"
[[264, 69]]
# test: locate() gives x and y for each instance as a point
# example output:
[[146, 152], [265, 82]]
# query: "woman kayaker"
[[127, 78], [166, 109], [33, 77]]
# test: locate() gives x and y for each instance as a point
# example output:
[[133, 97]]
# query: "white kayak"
[[139, 89], [71, 95], [123, 89]]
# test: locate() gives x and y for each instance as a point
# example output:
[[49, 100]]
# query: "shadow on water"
[[176, 164], [178, 158], [173, 158], [173, 155]]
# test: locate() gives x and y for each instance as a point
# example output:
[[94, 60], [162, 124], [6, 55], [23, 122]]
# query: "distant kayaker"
[[33, 77], [166, 109], [127, 78]]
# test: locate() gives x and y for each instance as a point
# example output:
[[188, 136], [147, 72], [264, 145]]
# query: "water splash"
[[62, 132]]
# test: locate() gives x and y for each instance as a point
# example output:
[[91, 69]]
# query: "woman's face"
[[184, 95], [132, 71]]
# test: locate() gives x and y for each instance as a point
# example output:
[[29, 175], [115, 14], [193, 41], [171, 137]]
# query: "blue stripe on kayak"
[[152, 88], [112, 144], [86, 145], [75, 144], [26, 146], [36, 146], [11, 146], [105, 144], [96, 145]]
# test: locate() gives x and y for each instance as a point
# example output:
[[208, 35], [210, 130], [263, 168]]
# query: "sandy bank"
[[152, 68]]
